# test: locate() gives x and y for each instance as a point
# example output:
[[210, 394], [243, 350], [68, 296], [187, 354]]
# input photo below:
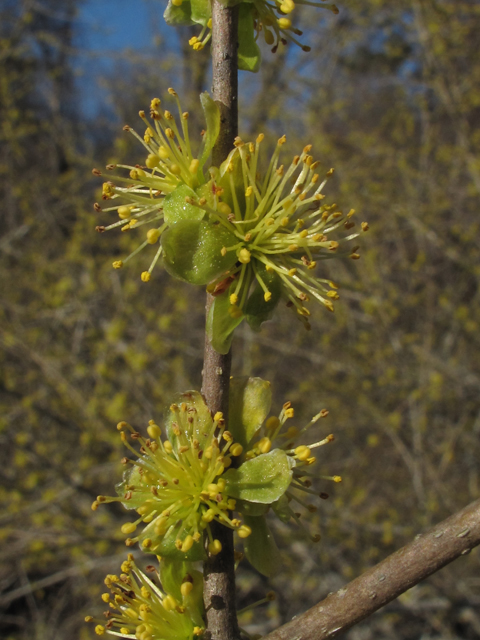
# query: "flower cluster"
[[274, 435], [180, 484], [252, 238], [139, 200], [176, 485], [278, 231], [270, 18], [138, 608]]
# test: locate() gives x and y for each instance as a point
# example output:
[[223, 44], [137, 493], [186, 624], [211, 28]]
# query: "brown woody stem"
[[219, 570], [405, 568]]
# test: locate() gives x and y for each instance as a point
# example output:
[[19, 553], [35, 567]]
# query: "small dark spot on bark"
[[217, 603]]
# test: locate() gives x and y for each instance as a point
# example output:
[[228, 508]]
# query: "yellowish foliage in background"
[[390, 95]]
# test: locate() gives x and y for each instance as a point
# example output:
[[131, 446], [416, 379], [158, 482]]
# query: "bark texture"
[[408, 566], [219, 570]]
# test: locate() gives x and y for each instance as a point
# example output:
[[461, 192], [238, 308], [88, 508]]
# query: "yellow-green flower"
[[140, 198], [263, 437], [279, 233], [141, 610], [273, 435], [273, 19], [183, 482], [176, 486]]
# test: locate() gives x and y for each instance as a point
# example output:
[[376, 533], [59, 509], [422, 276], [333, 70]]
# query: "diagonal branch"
[[381, 584]]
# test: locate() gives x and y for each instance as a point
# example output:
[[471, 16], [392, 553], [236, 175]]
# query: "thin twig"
[[408, 566], [219, 570]]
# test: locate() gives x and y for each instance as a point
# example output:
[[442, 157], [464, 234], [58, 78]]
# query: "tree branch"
[[408, 566], [219, 570]]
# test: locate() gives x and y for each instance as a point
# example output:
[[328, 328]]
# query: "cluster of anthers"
[[198, 42], [139, 609], [273, 435], [273, 19], [138, 198], [270, 18], [282, 228], [176, 485]]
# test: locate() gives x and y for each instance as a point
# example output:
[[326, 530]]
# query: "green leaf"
[[172, 572], [257, 310], [220, 324], [192, 251], [212, 118], [133, 477], [203, 421], [249, 403], [282, 509], [194, 600], [260, 547], [249, 56], [251, 508], [175, 208], [167, 548], [181, 15], [232, 3], [263, 479], [201, 12]]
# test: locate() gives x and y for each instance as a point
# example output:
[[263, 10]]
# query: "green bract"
[[272, 19], [280, 230], [250, 400], [269, 445], [260, 547], [192, 251], [152, 194], [181, 483], [178, 485], [262, 479]]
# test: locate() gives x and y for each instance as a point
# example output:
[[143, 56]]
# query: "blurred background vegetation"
[[389, 96]]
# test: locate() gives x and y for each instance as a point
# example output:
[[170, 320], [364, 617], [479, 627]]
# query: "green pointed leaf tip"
[[260, 547], [249, 56], [181, 15], [221, 324], [263, 479], [212, 118], [192, 251], [249, 404]]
